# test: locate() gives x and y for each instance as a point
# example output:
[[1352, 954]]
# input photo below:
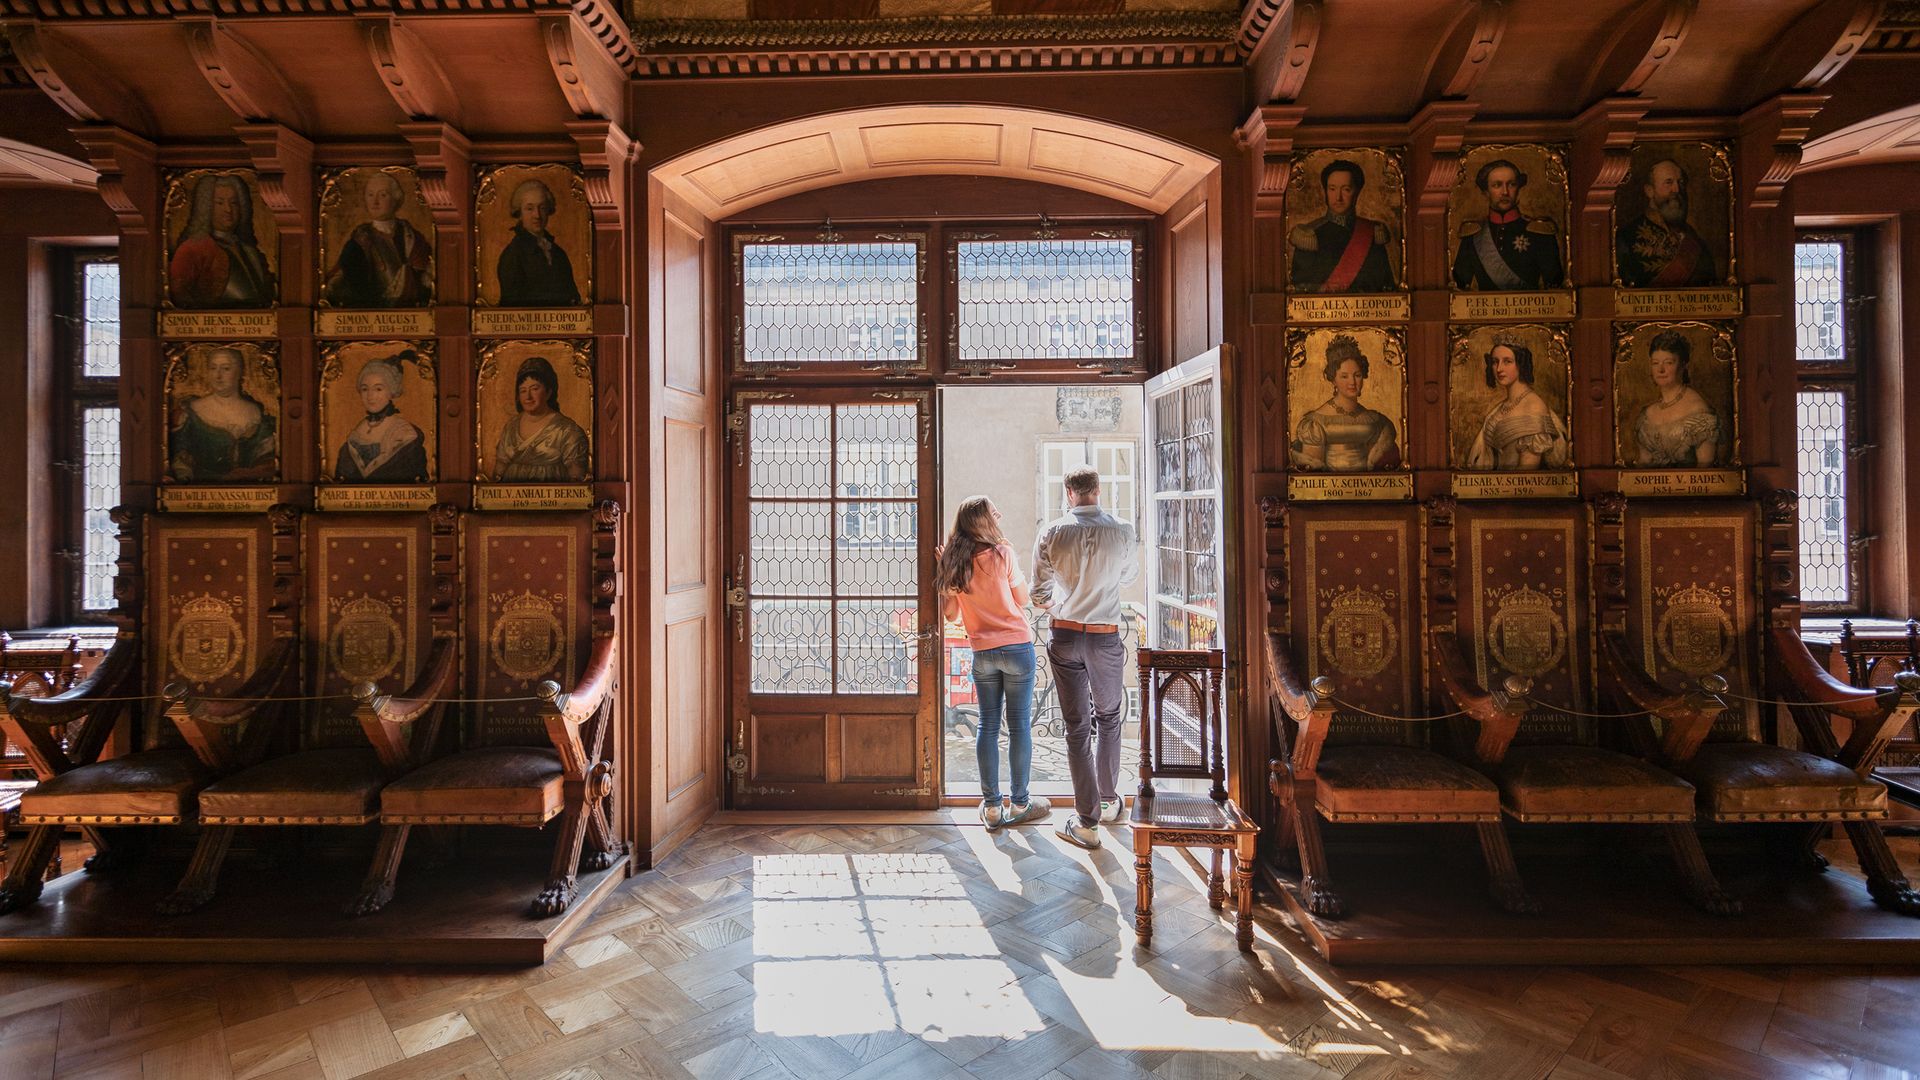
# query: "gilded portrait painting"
[[377, 413], [536, 237], [1507, 216], [223, 248], [536, 413], [1673, 395], [376, 240], [1346, 399], [223, 413], [1507, 392], [1346, 222], [1672, 217]]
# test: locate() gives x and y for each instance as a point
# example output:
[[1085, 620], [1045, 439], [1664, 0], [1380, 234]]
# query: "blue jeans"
[[1003, 679]]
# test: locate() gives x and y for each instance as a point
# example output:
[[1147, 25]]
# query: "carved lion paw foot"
[[1515, 900], [15, 897], [1323, 901], [184, 900], [555, 898], [593, 861], [1903, 898], [370, 900], [1719, 902]]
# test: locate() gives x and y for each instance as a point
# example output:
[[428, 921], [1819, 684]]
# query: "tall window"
[[89, 444], [1112, 457], [1830, 350]]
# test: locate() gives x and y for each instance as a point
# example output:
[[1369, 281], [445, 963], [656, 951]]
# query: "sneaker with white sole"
[[1036, 809], [1112, 811], [992, 815], [1075, 830]]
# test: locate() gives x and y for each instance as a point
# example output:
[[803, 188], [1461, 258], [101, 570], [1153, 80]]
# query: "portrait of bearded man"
[[217, 263], [1660, 248], [385, 262], [1507, 250], [1341, 251]]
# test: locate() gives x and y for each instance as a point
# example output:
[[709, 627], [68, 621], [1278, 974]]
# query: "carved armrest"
[[222, 733], [1876, 714], [1687, 717], [1497, 714], [566, 711], [385, 718], [112, 679], [1307, 708]]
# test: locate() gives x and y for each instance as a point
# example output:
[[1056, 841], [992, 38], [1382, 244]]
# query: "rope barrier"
[[132, 698], [1351, 707]]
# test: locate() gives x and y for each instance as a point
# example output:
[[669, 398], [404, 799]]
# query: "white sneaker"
[[992, 815], [1112, 811], [1074, 830], [1036, 809]]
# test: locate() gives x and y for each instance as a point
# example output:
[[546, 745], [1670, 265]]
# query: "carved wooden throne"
[[1347, 661], [219, 595], [539, 609], [381, 613], [1520, 628]]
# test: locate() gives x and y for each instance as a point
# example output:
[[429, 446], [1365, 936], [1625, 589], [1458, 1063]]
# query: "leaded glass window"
[[839, 301], [89, 450], [1069, 299], [1829, 443]]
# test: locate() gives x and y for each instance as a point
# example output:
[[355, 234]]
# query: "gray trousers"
[[1087, 674]]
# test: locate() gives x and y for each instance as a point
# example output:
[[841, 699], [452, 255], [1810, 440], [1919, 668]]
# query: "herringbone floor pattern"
[[901, 953]]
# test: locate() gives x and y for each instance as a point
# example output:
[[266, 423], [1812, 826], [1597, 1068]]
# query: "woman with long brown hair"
[[981, 586]]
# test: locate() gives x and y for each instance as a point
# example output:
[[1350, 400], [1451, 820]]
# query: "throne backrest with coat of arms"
[[529, 618], [1355, 616]]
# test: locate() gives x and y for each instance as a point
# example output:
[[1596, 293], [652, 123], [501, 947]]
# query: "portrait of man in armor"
[[380, 240], [1500, 245], [1356, 427], [217, 260], [1344, 211], [1671, 218]]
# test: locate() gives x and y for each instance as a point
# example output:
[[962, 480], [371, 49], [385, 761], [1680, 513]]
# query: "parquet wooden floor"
[[906, 952]]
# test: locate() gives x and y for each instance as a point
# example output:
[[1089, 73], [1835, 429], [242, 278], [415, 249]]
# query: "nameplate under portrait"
[[535, 425], [221, 274], [1675, 394], [1346, 237], [1346, 414], [223, 416], [377, 255], [1673, 233], [1508, 426], [1507, 217], [534, 260]]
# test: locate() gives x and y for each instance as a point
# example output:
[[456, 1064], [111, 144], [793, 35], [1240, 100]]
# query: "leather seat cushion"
[[1586, 783], [508, 785], [1752, 781], [311, 787], [150, 787], [1376, 782]]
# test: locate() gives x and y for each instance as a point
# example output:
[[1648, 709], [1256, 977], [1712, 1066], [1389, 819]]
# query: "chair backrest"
[[380, 588], [1521, 572], [1353, 615], [1180, 717], [540, 588], [1874, 661], [42, 671]]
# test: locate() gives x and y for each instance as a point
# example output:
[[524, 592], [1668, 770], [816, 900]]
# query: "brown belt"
[[1086, 628]]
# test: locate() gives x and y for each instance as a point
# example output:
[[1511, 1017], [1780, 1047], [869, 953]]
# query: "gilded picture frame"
[[560, 450], [1654, 249], [363, 266], [1523, 436], [1507, 220], [1322, 239], [1682, 412], [362, 380], [1347, 400], [223, 244], [223, 413], [545, 267]]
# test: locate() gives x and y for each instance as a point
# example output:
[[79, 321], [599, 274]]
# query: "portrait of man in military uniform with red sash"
[[1504, 249], [1340, 251], [1659, 248]]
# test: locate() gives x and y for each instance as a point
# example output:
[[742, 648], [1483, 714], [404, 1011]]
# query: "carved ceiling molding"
[[1666, 41], [1898, 30], [283, 159], [1646, 54], [1489, 26], [249, 83], [410, 73], [441, 156], [1603, 149], [1268, 135], [944, 59], [1437, 136], [129, 176], [1279, 38], [1773, 136]]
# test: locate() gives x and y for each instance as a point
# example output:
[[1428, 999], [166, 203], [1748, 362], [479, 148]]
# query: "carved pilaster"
[[1610, 559], [1268, 136], [1437, 135], [1771, 136]]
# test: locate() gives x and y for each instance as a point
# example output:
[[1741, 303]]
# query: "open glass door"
[[1184, 523], [833, 702]]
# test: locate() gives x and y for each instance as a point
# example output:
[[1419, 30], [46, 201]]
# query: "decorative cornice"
[[1898, 30], [796, 35]]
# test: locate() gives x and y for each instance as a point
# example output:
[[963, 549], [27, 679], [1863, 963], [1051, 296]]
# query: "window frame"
[[736, 302], [1133, 366], [1847, 377], [75, 392]]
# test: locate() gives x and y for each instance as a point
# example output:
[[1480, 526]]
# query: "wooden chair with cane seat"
[[1516, 661], [220, 595], [1690, 621], [381, 598], [1180, 738], [1348, 660], [539, 609]]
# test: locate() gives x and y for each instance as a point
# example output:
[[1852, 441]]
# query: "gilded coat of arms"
[[1695, 633], [1358, 638], [1526, 635], [527, 638], [365, 643], [207, 641]]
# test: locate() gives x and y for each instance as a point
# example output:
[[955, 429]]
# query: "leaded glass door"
[[1183, 518], [828, 596]]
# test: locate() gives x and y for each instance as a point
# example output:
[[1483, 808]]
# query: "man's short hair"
[[1083, 479], [1342, 165], [1480, 178]]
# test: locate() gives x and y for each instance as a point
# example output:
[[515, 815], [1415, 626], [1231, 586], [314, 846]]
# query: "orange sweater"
[[991, 608]]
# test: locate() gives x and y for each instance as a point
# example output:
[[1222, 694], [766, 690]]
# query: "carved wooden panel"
[[877, 747], [1356, 616], [1192, 260], [684, 309], [788, 746], [688, 506], [689, 678], [1691, 593], [210, 582], [1524, 610], [528, 617]]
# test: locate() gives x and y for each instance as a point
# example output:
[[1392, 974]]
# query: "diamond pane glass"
[[100, 317], [792, 451], [1045, 299], [1822, 423], [878, 647], [1819, 302], [821, 303], [787, 545], [792, 647], [100, 488], [874, 549]]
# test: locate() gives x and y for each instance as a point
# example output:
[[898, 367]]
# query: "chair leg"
[[1695, 875], [1217, 882], [1143, 886], [1244, 855], [23, 882], [563, 880], [1802, 847], [121, 851], [203, 873], [602, 847], [1316, 883], [1284, 844], [1885, 882], [377, 890], [1503, 876]]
